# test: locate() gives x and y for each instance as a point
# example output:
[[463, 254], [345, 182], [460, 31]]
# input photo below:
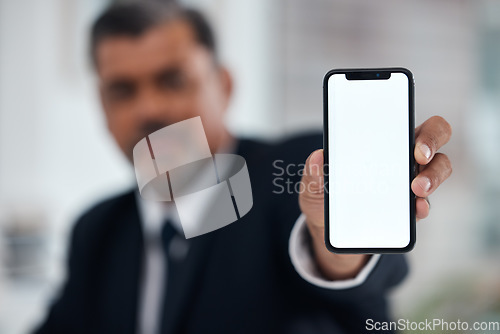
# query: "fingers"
[[422, 208], [429, 137], [435, 167], [433, 174], [311, 190]]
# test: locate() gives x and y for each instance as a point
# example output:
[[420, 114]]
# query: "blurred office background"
[[56, 157]]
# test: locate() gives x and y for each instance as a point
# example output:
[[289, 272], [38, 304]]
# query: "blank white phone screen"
[[369, 165]]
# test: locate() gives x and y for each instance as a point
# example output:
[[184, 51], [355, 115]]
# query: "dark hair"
[[134, 19]]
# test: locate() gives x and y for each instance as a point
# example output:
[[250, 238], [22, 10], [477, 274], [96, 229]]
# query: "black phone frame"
[[371, 74]]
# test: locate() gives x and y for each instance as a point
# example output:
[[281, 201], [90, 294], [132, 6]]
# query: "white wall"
[[55, 154]]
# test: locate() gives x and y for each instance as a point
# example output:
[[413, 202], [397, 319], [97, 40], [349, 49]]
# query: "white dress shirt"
[[152, 216]]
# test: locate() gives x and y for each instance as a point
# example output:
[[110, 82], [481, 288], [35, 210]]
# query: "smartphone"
[[369, 139]]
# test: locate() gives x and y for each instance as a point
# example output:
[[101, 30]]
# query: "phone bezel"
[[369, 72]]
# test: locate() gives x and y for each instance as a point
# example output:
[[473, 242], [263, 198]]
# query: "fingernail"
[[424, 183], [426, 151]]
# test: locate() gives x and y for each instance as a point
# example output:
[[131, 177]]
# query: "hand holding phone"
[[435, 168]]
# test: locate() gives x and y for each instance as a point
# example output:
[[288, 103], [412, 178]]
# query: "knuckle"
[[311, 189], [437, 118], [435, 180], [443, 123], [431, 141], [448, 128], [445, 163]]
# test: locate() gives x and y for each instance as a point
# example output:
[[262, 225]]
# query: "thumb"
[[311, 190]]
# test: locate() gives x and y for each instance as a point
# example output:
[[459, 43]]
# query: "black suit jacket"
[[238, 279]]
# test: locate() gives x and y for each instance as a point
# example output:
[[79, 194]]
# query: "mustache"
[[150, 127]]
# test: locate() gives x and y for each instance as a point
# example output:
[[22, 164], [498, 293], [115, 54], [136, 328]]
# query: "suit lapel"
[[121, 263]]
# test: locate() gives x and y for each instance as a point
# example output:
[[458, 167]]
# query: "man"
[[269, 272]]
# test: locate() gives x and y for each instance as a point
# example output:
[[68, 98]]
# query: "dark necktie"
[[168, 232], [175, 247], [170, 242]]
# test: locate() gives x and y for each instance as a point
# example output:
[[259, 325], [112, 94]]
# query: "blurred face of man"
[[159, 78]]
